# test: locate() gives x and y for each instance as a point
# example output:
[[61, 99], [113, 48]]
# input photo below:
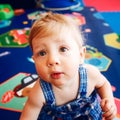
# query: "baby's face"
[[57, 58]]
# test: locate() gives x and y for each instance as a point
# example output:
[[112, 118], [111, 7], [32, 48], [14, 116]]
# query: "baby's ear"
[[33, 57], [82, 54], [83, 51]]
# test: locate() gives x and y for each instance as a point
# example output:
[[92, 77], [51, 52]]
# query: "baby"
[[67, 88]]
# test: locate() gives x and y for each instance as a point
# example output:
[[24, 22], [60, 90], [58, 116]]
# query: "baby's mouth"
[[56, 75]]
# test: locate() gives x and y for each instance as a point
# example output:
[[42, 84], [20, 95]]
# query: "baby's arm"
[[107, 101], [104, 89], [34, 104]]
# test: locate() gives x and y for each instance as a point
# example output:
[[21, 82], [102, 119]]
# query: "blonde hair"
[[55, 24]]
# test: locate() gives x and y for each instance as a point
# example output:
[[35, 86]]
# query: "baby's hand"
[[109, 109]]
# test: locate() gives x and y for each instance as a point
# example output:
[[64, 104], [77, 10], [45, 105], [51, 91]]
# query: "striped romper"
[[82, 108]]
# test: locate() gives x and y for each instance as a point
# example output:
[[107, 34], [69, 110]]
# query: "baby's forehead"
[[63, 36]]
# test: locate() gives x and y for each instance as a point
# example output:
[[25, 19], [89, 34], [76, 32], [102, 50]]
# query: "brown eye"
[[42, 53], [63, 49]]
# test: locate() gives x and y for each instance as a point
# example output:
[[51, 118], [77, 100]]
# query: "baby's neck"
[[67, 93]]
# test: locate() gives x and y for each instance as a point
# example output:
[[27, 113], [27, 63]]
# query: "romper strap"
[[47, 91], [83, 81]]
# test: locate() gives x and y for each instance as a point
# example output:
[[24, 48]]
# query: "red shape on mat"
[[7, 96], [117, 101], [104, 5]]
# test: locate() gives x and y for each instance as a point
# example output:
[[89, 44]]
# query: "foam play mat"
[[17, 69]]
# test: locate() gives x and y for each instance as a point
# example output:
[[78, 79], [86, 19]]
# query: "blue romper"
[[82, 108]]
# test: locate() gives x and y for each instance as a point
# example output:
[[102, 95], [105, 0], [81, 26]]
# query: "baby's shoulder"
[[91, 68], [36, 95], [92, 71]]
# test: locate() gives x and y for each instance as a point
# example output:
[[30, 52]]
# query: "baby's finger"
[[105, 105], [103, 102], [109, 117], [110, 114]]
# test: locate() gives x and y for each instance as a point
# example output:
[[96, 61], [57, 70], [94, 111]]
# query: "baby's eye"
[[42, 53], [63, 49]]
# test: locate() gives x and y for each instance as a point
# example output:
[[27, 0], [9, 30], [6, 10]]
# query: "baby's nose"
[[53, 60]]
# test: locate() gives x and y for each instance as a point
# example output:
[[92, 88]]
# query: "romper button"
[[92, 107]]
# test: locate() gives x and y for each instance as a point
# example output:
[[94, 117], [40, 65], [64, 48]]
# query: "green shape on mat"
[[16, 103]]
